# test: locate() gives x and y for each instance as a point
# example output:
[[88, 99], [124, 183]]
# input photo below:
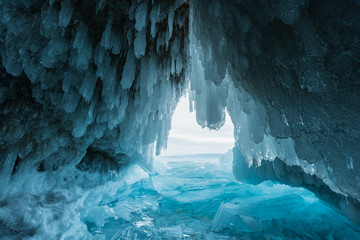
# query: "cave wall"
[[84, 77], [289, 74]]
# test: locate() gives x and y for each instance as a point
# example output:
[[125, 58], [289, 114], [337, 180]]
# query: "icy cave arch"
[[90, 87]]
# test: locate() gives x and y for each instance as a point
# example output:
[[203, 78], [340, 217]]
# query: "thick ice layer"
[[287, 74]]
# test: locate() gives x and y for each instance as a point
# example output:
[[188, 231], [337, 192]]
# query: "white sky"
[[187, 137]]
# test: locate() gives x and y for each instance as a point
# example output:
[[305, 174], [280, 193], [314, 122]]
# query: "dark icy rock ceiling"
[[93, 85], [295, 89]]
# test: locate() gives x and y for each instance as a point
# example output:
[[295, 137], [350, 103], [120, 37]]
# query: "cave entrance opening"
[[197, 195], [187, 137]]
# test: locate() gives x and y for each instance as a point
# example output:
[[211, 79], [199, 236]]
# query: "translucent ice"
[[176, 202]]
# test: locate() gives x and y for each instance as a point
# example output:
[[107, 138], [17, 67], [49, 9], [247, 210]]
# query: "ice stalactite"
[[287, 74], [88, 75], [85, 87]]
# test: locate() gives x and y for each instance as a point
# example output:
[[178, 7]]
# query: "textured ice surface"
[[188, 197]]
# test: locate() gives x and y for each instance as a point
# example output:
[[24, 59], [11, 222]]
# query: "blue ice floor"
[[197, 198]]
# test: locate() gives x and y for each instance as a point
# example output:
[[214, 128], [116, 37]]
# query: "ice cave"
[[97, 139]]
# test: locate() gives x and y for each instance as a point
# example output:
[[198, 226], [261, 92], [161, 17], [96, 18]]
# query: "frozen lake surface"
[[195, 197]]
